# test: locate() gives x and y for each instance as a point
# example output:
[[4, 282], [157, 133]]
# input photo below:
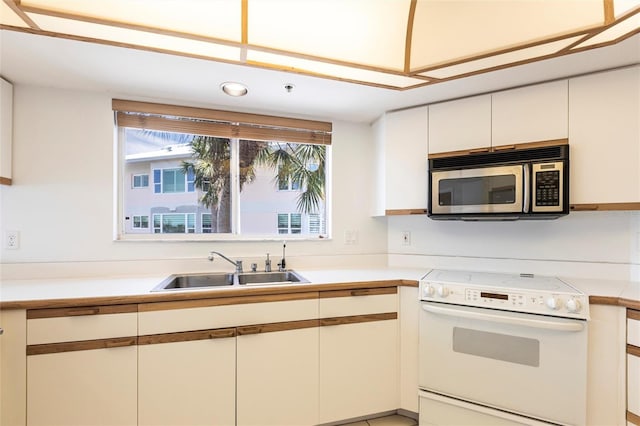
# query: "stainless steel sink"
[[203, 281], [270, 278], [182, 282]]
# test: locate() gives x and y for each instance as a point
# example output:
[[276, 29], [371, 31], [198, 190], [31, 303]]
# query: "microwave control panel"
[[547, 187]]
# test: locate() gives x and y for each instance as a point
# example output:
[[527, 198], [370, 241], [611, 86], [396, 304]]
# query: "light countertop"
[[137, 289]]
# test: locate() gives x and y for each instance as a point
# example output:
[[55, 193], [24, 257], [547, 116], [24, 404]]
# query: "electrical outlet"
[[406, 238], [350, 237], [11, 240]]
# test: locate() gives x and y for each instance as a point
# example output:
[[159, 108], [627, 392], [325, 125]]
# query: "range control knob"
[[428, 290], [573, 305], [554, 303], [443, 291]]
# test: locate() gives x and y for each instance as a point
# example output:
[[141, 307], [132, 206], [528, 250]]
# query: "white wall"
[[582, 244], [62, 200]]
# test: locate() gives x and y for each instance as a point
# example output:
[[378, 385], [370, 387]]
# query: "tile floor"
[[393, 420]]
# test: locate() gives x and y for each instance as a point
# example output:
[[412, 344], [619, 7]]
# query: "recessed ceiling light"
[[234, 89]]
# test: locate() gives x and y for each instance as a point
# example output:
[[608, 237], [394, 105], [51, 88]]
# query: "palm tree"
[[302, 164], [211, 169]]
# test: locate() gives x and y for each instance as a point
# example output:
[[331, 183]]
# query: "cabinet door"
[[463, 124], [402, 163], [409, 321], [187, 382], [83, 387], [277, 377], [604, 135], [358, 369], [6, 130], [530, 114], [605, 366]]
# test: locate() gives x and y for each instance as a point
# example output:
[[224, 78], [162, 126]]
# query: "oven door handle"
[[503, 318]]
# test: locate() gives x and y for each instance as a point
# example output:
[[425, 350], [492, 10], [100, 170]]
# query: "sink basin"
[[284, 277], [182, 282], [202, 281]]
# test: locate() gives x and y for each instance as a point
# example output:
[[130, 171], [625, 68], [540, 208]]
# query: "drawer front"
[[367, 303], [213, 317], [71, 325], [633, 327]]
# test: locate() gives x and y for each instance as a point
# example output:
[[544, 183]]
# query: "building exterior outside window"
[[164, 198]]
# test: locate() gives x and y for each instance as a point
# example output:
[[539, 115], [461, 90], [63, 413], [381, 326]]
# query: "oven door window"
[[486, 190], [503, 347]]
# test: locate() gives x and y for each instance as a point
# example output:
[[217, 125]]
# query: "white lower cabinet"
[[187, 382], [81, 366], [277, 381], [358, 355], [83, 387]]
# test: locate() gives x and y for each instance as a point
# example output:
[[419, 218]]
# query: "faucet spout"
[[237, 264]]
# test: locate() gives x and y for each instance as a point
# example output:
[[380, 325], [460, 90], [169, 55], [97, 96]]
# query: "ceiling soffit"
[[396, 44]]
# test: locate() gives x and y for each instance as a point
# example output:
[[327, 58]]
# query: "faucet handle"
[[267, 264], [239, 266]]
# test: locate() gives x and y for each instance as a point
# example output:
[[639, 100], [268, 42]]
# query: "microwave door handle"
[[546, 324], [526, 189]]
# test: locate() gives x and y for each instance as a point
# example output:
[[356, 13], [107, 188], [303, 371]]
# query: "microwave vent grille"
[[550, 153]]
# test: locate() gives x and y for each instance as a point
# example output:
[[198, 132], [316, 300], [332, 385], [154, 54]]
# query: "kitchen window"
[[220, 175]]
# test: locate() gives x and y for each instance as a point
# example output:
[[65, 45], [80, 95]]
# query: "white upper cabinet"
[[463, 124], [604, 136], [6, 130], [401, 161], [530, 114]]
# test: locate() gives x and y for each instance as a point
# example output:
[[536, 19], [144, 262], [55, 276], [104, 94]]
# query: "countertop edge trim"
[[200, 294]]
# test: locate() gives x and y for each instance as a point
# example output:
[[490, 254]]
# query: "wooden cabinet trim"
[[85, 345], [633, 418], [5, 181], [81, 311], [187, 336], [401, 212], [633, 314], [514, 146], [236, 300], [246, 330], [358, 292], [633, 350], [604, 207], [355, 319]]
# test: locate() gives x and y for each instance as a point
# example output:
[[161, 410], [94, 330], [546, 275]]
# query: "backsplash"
[[582, 244]]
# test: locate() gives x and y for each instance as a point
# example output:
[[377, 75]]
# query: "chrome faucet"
[[237, 264]]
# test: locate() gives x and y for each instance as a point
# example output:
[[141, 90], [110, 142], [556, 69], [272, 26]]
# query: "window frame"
[[162, 117]]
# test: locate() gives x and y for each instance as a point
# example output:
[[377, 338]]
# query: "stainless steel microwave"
[[528, 183]]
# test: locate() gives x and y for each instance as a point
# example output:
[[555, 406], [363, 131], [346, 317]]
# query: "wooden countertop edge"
[[615, 301], [202, 294]]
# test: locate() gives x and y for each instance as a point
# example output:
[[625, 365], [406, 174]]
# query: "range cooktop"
[[513, 292]]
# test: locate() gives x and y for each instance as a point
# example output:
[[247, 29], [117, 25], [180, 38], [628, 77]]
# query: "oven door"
[[482, 190], [532, 365]]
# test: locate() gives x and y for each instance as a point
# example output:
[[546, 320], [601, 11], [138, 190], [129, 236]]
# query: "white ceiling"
[[143, 75]]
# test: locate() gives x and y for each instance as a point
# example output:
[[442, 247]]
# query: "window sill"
[[217, 237]]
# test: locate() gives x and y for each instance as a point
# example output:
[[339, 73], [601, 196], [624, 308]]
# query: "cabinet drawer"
[[77, 324], [633, 327], [213, 313], [358, 302]]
